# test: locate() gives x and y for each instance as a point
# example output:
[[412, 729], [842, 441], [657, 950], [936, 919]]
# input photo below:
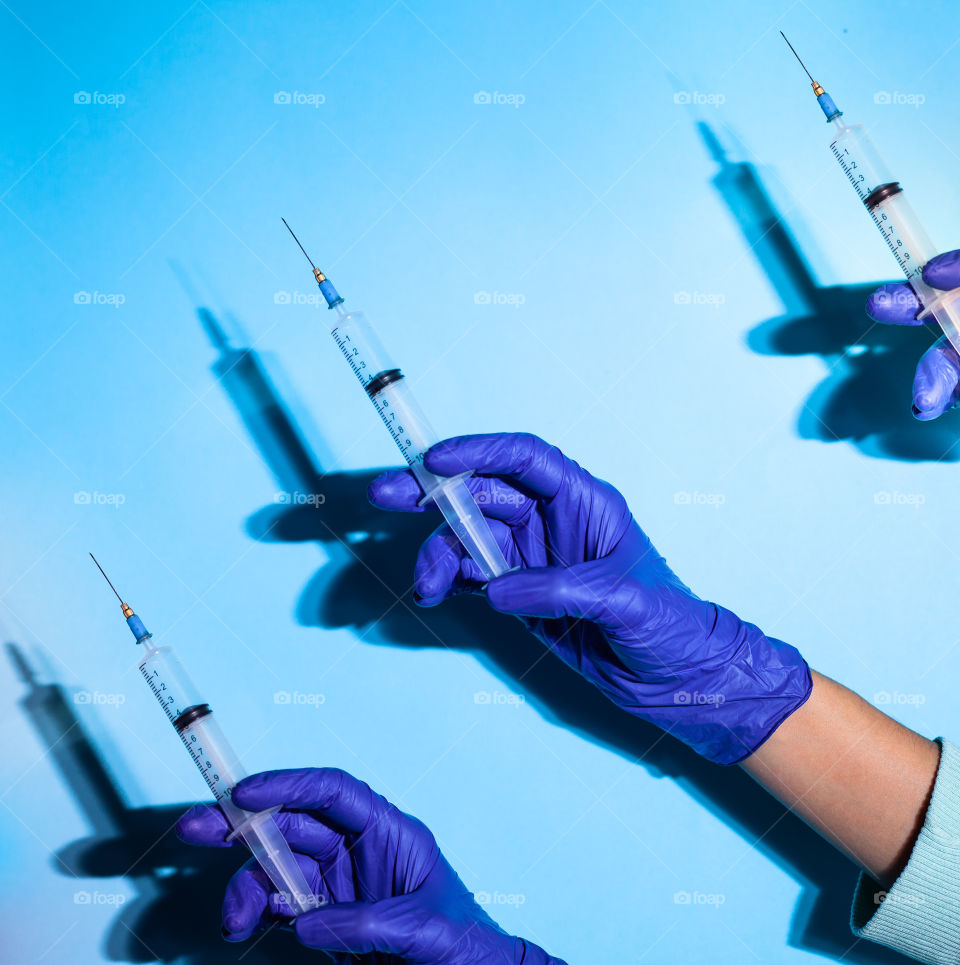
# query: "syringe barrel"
[[167, 680], [896, 220], [414, 435], [906, 237], [221, 769], [213, 755], [360, 346], [262, 835], [859, 158], [945, 311], [410, 429]]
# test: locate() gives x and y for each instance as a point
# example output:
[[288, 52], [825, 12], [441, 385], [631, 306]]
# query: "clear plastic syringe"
[[883, 198], [390, 394], [193, 720]]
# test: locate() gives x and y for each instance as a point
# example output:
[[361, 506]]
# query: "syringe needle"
[[795, 54], [297, 240], [326, 286], [107, 578], [829, 108]]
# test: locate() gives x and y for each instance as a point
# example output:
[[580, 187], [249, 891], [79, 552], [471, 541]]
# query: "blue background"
[[564, 266]]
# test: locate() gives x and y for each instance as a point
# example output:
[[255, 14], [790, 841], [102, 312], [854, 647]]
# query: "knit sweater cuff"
[[920, 914]]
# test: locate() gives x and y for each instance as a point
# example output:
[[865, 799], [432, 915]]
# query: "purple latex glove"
[[593, 588], [936, 384], [391, 895]]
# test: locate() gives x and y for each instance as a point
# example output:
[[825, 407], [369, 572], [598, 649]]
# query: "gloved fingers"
[[536, 465], [398, 490], [246, 903], [205, 825], [392, 926], [334, 795], [584, 591], [943, 271], [550, 592], [897, 304], [307, 834], [444, 568], [935, 384], [251, 902], [894, 304]]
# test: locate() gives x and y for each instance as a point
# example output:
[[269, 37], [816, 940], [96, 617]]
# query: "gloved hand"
[[936, 385], [592, 587], [392, 896]]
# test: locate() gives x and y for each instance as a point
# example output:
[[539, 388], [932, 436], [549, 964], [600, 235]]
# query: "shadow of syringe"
[[241, 374], [335, 499], [50, 708], [313, 503], [174, 911]]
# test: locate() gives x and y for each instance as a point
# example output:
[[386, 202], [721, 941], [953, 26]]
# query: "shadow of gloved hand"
[[936, 384]]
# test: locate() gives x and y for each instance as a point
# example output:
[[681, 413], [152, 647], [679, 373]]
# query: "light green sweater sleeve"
[[920, 915]]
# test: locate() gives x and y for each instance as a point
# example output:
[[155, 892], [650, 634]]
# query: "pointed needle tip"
[[107, 578], [297, 240]]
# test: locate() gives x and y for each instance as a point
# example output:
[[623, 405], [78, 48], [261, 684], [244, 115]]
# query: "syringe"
[[390, 394], [891, 212], [193, 720]]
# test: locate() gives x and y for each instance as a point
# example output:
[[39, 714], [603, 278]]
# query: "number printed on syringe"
[[892, 237], [158, 687]]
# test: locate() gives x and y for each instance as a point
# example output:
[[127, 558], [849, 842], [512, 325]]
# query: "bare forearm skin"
[[857, 777]]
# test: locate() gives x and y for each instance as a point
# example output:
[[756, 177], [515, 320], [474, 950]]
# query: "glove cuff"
[[726, 707]]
